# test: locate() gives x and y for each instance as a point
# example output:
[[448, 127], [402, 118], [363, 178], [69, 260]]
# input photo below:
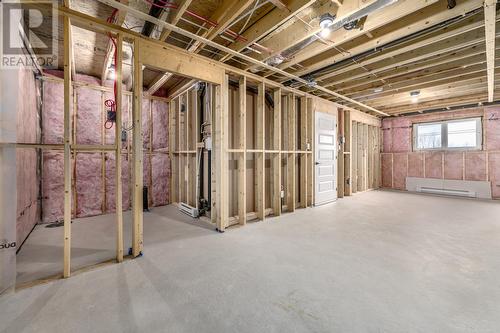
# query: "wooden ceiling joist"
[[490, 33], [184, 5], [267, 24], [426, 17]]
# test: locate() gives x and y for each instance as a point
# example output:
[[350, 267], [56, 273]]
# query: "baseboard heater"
[[459, 193], [459, 188], [188, 210]]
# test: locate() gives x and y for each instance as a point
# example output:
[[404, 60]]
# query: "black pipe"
[[154, 11], [451, 4]]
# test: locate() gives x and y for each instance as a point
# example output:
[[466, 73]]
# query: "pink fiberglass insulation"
[[110, 183], [386, 170], [400, 170], [475, 166], [109, 134], [454, 165], [434, 165], [397, 136], [53, 112], [161, 174], [27, 177], [88, 116], [159, 111], [494, 172], [415, 164], [53, 186], [492, 119], [89, 178], [146, 130], [89, 198]]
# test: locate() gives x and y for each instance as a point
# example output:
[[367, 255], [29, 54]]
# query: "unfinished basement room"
[[249, 166]]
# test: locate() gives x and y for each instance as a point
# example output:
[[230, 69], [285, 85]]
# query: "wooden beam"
[[118, 153], [490, 33], [184, 4], [242, 161], [137, 151], [227, 12], [97, 25], [68, 92], [280, 4], [310, 157]]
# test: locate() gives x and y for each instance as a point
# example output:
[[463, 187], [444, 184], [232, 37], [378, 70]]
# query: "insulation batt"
[[95, 172], [27, 159], [398, 157]]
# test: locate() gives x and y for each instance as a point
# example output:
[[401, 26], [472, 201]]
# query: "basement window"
[[448, 135]]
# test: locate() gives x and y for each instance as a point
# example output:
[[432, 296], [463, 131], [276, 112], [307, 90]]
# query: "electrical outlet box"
[[208, 143]]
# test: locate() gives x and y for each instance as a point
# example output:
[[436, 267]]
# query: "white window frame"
[[444, 135]]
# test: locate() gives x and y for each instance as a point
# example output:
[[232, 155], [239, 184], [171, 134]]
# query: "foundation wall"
[[400, 161], [94, 173]]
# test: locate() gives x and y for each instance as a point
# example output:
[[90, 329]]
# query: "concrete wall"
[[400, 161], [94, 173]]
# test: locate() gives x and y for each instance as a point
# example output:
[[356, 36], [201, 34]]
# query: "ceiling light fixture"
[[326, 20], [414, 96]]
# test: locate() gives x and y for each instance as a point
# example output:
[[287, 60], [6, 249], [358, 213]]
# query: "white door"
[[325, 158]]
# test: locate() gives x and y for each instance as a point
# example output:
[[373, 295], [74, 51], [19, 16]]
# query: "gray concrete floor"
[[377, 262]]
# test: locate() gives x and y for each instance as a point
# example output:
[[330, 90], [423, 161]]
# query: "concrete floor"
[[377, 262]]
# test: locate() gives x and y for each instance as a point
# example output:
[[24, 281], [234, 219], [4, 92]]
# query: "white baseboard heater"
[[461, 188], [189, 210]]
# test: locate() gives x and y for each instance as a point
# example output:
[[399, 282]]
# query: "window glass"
[[462, 134], [429, 136]]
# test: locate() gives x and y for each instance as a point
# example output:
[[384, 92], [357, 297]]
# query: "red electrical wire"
[[111, 102]]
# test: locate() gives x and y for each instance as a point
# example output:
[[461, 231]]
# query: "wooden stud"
[[260, 162], [276, 157], [347, 153], [242, 176], [354, 157], [311, 150], [118, 154], [137, 150], [340, 158], [67, 146], [303, 157], [292, 113]]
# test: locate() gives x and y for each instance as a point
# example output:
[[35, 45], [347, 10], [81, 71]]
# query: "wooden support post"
[[137, 150], [276, 159], [224, 156], [187, 119], [310, 156], [360, 156], [340, 159], [303, 156], [242, 168], [67, 146], [118, 154], [347, 153], [365, 157], [260, 161], [291, 154], [354, 157], [490, 33], [171, 149]]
